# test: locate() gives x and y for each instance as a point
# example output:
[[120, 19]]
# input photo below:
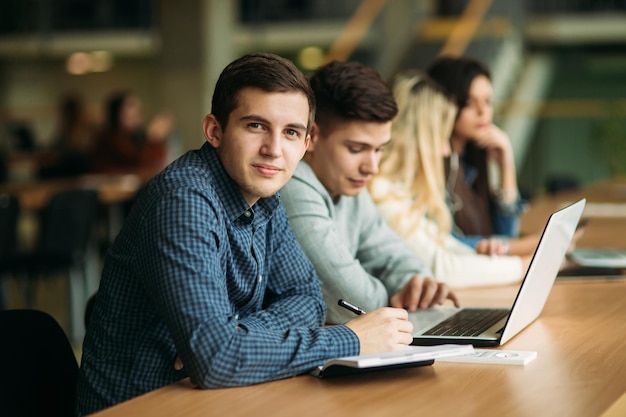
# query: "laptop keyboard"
[[468, 322]]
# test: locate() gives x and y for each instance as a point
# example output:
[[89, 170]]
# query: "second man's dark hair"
[[351, 91]]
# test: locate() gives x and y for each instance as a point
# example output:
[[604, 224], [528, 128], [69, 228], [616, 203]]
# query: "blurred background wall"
[[559, 66]]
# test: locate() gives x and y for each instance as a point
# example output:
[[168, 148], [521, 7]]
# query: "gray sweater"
[[356, 254]]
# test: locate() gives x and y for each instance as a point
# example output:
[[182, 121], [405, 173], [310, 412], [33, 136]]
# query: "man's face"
[[263, 142], [347, 157]]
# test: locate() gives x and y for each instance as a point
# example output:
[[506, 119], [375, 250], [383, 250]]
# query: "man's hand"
[[422, 292], [383, 330]]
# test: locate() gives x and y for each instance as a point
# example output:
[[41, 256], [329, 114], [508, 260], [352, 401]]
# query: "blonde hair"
[[413, 160]]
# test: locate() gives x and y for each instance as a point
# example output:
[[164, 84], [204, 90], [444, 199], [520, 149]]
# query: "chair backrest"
[[67, 223], [9, 213], [39, 369]]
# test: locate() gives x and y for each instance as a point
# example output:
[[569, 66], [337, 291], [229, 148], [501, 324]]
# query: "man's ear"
[[314, 134], [212, 130]]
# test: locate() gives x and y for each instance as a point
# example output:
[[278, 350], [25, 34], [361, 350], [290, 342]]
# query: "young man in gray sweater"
[[355, 253]]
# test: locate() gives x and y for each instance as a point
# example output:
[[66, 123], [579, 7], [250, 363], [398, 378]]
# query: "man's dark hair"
[[346, 91], [267, 72], [456, 74]]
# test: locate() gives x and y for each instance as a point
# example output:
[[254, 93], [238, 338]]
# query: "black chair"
[[64, 244], [4, 168], [9, 215], [39, 369]]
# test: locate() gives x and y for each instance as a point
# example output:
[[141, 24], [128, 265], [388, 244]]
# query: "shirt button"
[[260, 278], [236, 316], [247, 213]]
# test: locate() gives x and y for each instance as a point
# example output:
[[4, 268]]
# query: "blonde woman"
[[409, 189]]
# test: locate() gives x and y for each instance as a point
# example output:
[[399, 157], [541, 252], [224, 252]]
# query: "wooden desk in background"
[[606, 207], [33, 195], [580, 370], [114, 189]]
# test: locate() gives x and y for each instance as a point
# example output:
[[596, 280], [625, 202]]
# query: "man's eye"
[[255, 125], [292, 132], [353, 149]]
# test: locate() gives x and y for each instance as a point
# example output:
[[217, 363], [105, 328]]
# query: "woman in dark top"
[[480, 211]]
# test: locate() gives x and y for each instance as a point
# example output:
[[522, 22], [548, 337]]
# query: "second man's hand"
[[423, 292]]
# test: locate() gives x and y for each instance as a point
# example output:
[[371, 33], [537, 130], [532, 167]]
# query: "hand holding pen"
[[382, 330]]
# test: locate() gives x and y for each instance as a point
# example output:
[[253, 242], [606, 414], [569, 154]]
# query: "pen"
[[356, 310]]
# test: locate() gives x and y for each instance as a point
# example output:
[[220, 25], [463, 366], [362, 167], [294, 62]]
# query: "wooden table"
[[112, 188], [606, 207], [580, 370]]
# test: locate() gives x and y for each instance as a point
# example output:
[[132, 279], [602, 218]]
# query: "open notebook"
[[494, 327], [413, 356]]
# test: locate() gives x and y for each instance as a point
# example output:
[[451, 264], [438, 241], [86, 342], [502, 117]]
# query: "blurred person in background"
[[125, 144], [409, 189], [479, 211], [73, 140]]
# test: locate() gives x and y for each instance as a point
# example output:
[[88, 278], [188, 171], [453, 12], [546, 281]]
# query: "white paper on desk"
[[497, 357], [412, 355]]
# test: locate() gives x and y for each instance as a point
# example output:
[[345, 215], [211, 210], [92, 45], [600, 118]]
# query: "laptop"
[[488, 327], [599, 257]]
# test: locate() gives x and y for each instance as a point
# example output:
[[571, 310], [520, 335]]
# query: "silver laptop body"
[[530, 299]]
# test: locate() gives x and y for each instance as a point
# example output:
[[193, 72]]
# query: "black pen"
[[356, 310]]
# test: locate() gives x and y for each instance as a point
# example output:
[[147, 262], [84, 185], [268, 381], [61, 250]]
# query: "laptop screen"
[[543, 269]]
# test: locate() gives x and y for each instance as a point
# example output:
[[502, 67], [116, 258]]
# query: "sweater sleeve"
[[366, 267], [451, 261]]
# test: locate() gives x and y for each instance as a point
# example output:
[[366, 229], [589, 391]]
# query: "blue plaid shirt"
[[196, 272]]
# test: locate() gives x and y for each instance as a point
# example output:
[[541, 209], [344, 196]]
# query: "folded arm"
[[224, 341]]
